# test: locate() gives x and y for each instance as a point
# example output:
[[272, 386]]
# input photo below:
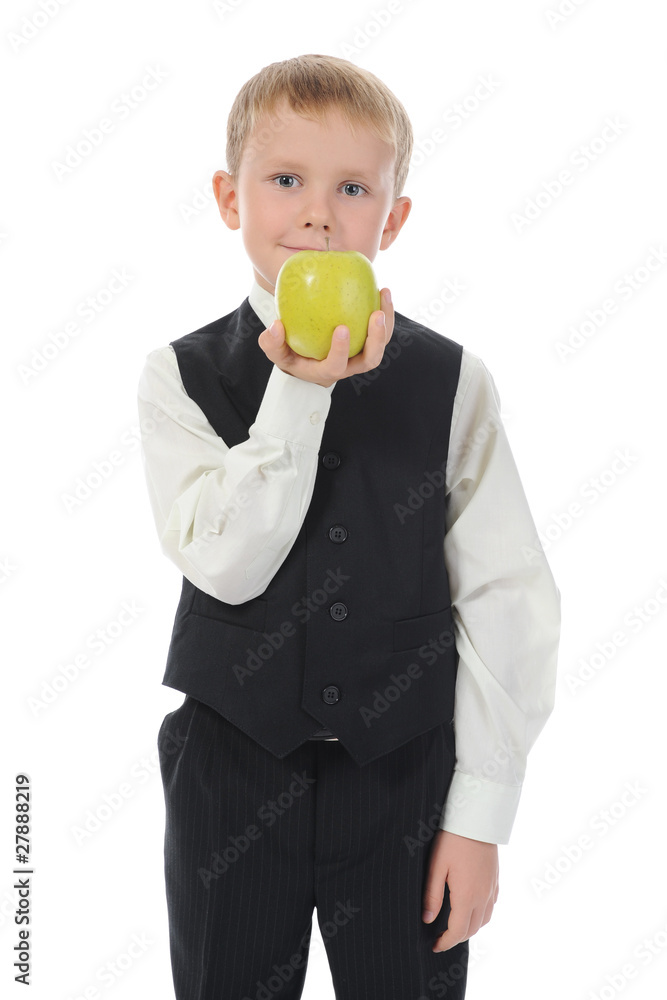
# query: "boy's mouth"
[[302, 248]]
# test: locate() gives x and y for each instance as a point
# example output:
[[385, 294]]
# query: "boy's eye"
[[354, 190]]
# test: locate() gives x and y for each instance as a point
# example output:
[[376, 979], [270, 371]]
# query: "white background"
[[562, 927]]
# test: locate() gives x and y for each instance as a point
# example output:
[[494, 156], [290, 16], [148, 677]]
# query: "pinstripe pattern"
[[254, 842]]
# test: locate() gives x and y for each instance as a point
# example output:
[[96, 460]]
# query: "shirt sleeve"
[[228, 517], [506, 610]]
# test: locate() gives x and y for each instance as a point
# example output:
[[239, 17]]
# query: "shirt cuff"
[[293, 409], [479, 809]]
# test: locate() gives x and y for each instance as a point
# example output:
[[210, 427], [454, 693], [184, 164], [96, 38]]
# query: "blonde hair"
[[312, 85]]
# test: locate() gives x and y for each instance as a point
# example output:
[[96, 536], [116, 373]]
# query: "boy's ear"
[[224, 190], [395, 221]]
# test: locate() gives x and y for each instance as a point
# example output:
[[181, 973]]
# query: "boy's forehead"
[[282, 132], [281, 116]]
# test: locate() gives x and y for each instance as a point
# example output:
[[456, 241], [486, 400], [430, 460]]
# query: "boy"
[[367, 630]]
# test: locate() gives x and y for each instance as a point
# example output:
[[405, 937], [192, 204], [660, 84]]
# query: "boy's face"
[[300, 182]]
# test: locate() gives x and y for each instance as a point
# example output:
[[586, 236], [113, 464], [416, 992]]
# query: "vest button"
[[330, 460], [337, 533], [338, 611], [331, 694]]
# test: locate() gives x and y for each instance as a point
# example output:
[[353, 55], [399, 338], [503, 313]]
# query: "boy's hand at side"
[[336, 365], [470, 868]]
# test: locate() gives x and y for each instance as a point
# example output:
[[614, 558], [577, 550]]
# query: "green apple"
[[318, 290]]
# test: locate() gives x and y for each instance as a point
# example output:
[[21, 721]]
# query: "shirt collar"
[[263, 303]]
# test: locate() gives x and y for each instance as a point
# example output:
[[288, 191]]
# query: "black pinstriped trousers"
[[253, 843]]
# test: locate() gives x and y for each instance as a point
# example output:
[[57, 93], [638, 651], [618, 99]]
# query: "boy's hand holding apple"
[[313, 290], [337, 364]]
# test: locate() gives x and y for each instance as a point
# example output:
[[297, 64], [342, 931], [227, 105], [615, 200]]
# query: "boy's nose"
[[326, 230], [318, 214]]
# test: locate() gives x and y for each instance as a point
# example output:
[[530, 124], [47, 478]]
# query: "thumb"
[[272, 342]]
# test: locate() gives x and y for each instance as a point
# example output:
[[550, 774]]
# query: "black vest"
[[354, 632]]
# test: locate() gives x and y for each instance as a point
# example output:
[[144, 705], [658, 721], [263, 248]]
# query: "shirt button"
[[331, 694], [315, 417], [338, 611]]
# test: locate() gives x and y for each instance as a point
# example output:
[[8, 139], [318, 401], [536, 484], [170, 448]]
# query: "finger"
[[487, 914], [458, 929], [379, 331], [387, 307], [275, 347], [371, 353], [387, 311], [381, 322], [433, 898], [339, 351], [446, 941]]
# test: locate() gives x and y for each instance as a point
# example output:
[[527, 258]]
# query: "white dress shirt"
[[505, 604]]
